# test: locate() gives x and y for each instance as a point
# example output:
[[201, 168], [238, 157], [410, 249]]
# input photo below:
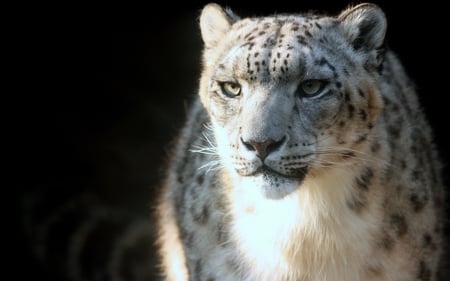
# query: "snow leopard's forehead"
[[281, 48]]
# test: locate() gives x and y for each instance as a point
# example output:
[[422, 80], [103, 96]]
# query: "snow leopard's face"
[[290, 95]]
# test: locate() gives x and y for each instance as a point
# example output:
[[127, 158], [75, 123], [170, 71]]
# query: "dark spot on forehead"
[[324, 61], [301, 39]]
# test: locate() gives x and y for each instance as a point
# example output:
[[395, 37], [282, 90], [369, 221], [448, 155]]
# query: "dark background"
[[103, 91]]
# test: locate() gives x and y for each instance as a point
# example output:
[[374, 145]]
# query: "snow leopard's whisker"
[[211, 166], [204, 150], [352, 154], [209, 147]]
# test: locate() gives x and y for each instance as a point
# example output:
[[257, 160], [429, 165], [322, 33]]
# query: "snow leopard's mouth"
[[294, 174], [276, 185]]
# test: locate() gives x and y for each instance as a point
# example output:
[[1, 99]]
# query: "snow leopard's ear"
[[364, 25], [215, 23]]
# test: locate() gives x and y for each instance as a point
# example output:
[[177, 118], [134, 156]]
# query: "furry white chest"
[[310, 234]]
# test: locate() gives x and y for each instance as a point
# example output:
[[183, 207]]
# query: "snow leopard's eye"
[[310, 88], [230, 89]]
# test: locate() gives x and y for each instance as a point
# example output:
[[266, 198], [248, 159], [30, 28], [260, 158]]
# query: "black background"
[[102, 90]]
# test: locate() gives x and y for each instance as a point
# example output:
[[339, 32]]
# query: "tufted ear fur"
[[214, 23], [364, 25]]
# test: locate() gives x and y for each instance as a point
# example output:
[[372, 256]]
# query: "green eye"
[[231, 89], [311, 88]]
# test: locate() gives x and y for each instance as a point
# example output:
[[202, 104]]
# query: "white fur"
[[311, 231]]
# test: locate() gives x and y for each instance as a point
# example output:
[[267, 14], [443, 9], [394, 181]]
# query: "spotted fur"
[[307, 157]]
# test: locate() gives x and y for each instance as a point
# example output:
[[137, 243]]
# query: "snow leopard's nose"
[[263, 148]]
